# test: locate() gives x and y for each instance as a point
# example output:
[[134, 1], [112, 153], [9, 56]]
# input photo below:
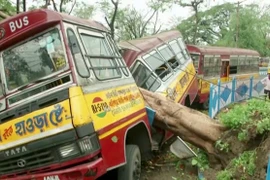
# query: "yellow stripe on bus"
[[121, 126]]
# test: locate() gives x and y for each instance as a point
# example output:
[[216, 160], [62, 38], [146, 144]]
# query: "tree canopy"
[[228, 24], [220, 25]]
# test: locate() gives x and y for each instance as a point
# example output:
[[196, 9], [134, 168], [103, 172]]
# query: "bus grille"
[[32, 160]]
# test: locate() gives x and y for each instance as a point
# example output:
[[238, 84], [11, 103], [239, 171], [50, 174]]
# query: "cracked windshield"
[[33, 59]]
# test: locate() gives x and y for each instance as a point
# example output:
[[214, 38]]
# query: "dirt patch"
[[166, 166]]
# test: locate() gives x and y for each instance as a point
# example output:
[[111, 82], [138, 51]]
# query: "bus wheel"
[[205, 105], [132, 169]]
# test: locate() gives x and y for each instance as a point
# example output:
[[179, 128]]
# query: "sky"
[[170, 16], [176, 12]]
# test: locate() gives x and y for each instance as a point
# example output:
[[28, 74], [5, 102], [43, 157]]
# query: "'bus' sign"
[[18, 24]]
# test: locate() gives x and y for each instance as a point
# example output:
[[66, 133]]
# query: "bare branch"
[[155, 23], [72, 7], [147, 21], [46, 4], [61, 5], [157, 31], [107, 21], [54, 5], [111, 24]]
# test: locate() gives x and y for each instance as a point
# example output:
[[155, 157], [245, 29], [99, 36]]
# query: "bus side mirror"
[[73, 44]]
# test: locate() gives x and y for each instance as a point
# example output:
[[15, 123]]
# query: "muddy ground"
[[166, 166]]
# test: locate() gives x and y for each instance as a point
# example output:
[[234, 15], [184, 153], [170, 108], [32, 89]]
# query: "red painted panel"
[[76, 172], [216, 50], [27, 24], [136, 47], [113, 146]]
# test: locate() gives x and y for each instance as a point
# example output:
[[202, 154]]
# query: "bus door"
[[225, 69]]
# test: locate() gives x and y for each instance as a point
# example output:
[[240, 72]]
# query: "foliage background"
[[228, 24]]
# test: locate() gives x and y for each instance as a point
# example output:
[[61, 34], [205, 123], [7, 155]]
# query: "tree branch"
[[107, 21], [111, 24], [3, 15], [157, 31], [131, 24], [61, 5], [72, 7], [147, 21], [54, 6], [155, 24]]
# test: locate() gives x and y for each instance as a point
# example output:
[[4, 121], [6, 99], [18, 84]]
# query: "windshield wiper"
[[34, 82]]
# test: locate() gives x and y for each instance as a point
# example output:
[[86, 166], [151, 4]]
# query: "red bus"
[[213, 63], [69, 106], [162, 64]]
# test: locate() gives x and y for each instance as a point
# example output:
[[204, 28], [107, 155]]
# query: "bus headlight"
[[89, 144], [69, 150]]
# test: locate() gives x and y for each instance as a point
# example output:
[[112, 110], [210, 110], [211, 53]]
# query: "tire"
[[132, 169]]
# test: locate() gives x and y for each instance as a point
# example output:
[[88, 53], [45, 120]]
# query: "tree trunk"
[[191, 125]]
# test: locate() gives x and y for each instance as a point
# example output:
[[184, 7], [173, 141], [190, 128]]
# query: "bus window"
[[195, 59], [169, 56], [77, 56], [256, 62], [144, 78], [252, 63], [100, 56], [158, 65], [241, 65], [233, 65], [183, 47], [117, 53], [178, 52], [212, 66], [34, 59]]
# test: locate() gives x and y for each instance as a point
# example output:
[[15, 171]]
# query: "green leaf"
[[194, 162]]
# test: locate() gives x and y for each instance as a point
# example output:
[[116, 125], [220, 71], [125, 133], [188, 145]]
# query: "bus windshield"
[[34, 59], [158, 65]]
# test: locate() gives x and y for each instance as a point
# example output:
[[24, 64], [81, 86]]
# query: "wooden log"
[[191, 125]]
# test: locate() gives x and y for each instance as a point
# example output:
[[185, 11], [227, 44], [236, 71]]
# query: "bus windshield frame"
[[158, 64], [32, 60]]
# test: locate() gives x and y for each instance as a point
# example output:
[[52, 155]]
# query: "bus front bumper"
[[86, 171]]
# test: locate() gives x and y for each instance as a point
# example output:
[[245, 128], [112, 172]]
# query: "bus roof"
[[137, 47], [24, 25], [216, 50]]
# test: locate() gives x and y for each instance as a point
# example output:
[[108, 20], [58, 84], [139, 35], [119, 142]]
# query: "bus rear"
[[224, 63], [69, 107]]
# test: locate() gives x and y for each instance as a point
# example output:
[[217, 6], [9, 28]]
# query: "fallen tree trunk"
[[191, 125]]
